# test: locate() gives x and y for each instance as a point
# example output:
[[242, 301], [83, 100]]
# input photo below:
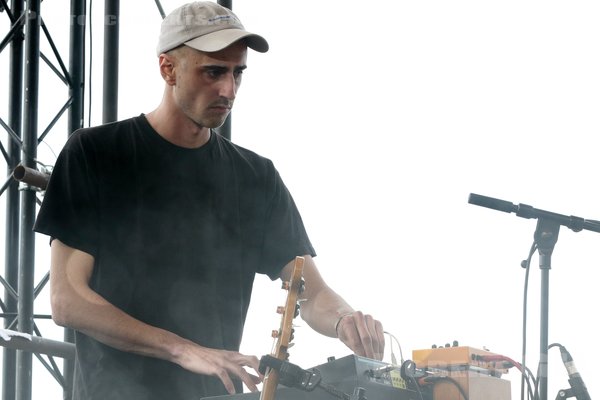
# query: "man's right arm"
[[76, 305]]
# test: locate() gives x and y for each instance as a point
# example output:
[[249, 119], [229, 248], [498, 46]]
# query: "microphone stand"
[[546, 236]]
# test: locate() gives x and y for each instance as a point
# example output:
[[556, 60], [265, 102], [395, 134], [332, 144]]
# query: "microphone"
[[494, 204], [572, 222], [575, 380]]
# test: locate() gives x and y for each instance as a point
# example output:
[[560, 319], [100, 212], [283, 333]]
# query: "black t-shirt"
[[177, 236]]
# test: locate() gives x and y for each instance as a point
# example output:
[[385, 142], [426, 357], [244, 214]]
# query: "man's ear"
[[167, 68]]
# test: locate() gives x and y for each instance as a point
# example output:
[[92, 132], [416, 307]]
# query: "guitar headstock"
[[284, 335]]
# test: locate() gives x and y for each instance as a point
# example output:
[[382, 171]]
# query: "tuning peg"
[[285, 285], [280, 310], [301, 288], [274, 334]]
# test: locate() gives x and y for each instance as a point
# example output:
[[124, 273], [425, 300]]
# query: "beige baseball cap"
[[205, 26]]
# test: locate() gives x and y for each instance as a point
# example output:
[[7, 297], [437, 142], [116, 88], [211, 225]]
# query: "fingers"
[[365, 341], [379, 349], [249, 380], [239, 362], [225, 365], [363, 335], [222, 374], [375, 330]]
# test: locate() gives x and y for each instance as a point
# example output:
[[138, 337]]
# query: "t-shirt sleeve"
[[69, 210], [285, 234]]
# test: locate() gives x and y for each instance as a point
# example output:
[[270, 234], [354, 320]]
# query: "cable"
[[524, 379], [436, 379], [417, 386], [525, 372], [578, 388], [293, 376], [410, 373], [393, 357]]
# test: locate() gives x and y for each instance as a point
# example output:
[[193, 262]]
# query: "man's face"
[[206, 83]]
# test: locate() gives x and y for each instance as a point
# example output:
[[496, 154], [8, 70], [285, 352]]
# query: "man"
[[159, 226]]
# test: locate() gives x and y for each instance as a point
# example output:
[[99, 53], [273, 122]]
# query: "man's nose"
[[228, 86]]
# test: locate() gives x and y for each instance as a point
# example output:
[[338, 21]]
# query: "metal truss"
[[25, 181]]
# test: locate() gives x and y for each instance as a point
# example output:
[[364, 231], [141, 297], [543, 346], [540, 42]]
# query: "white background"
[[382, 117]]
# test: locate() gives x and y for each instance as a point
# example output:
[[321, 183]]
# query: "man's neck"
[[180, 131]]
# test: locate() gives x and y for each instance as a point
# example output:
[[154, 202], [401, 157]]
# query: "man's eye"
[[214, 73]]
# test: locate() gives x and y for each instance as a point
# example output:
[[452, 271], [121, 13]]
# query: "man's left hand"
[[362, 334]]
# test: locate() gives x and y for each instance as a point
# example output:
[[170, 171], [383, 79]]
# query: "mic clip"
[[566, 394]]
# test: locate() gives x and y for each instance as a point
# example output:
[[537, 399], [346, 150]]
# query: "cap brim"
[[219, 40]]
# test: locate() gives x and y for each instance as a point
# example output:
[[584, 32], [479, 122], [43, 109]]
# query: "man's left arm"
[[329, 314]]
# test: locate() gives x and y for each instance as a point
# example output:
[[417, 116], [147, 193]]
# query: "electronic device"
[[351, 377]]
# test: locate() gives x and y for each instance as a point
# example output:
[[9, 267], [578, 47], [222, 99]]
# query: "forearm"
[[329, 314], [323, 311], [76, 305], [321, 307], [92, 315]]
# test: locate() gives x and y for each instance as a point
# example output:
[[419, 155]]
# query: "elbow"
[[60, 310]]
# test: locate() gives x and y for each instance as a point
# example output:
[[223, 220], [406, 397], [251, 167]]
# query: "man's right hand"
[[223, 364]]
